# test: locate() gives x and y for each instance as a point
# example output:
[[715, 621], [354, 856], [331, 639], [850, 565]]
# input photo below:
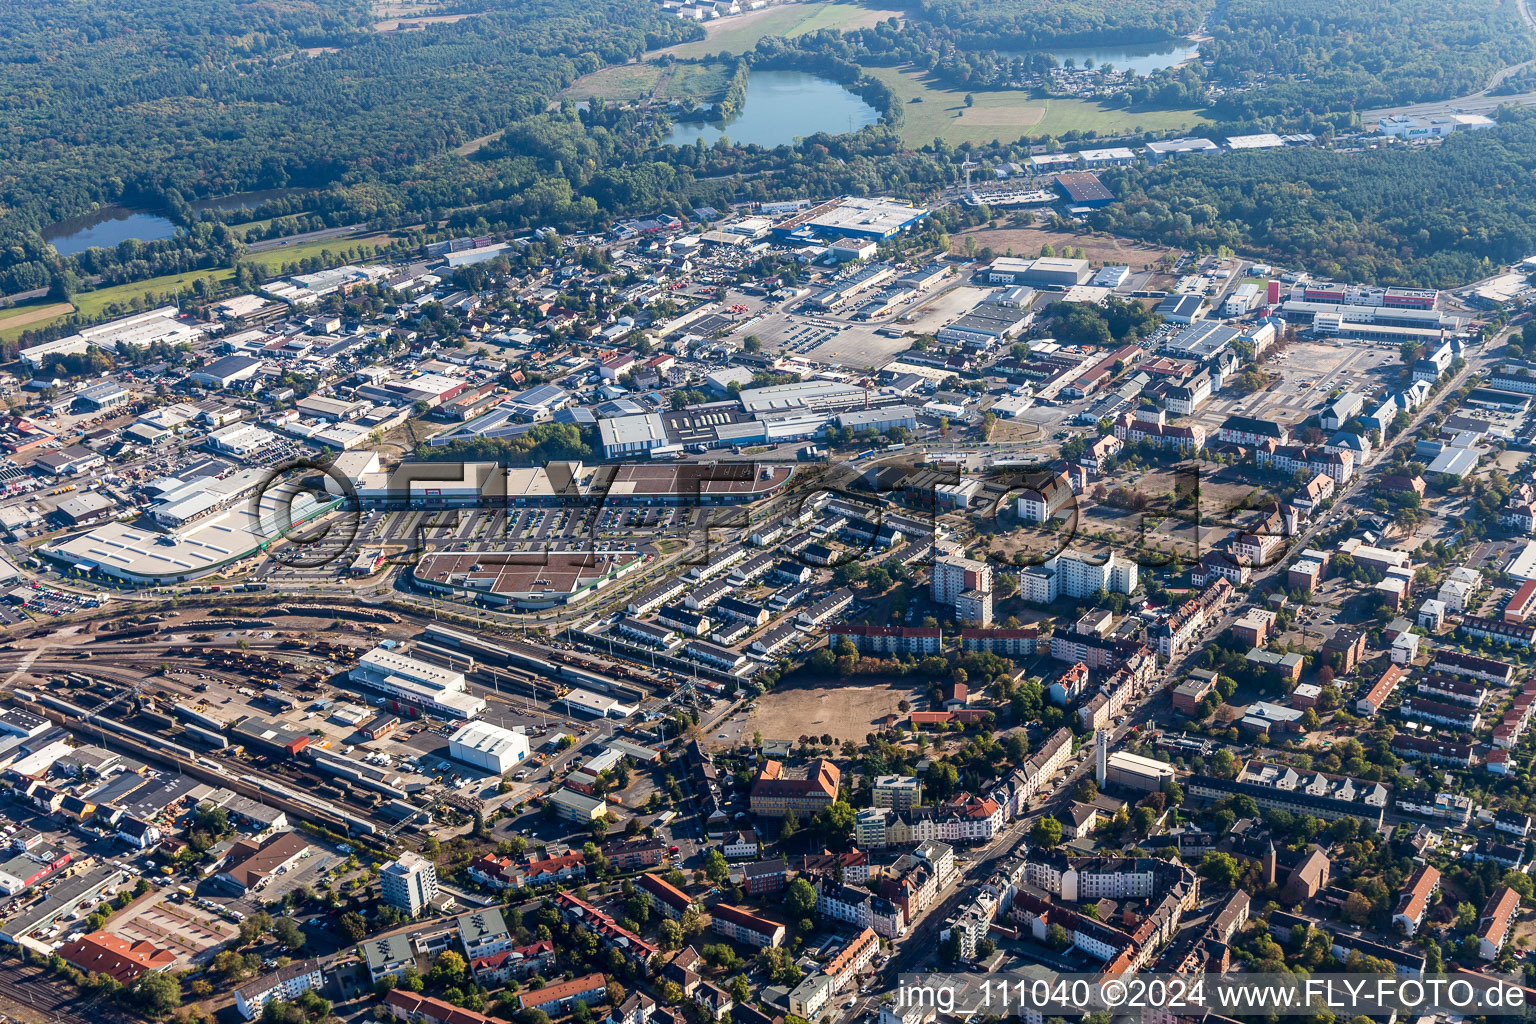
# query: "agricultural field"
[[741, 33], [19, 318], [930, 111], [629, 83]]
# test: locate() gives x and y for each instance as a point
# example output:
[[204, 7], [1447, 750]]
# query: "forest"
[[1032, 24], [1427, 216], [148, 103], [1288, 57]]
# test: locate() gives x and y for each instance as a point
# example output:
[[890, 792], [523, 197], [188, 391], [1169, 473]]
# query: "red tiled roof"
[[116, 957]]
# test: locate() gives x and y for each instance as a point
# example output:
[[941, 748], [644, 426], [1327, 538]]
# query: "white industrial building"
[[438, 691], [628, 435], [487, 746]]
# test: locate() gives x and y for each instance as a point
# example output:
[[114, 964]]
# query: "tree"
[[671, 935], [448, 969], [801, 898], [353, 926], [286, 930], [1220, 869], [1046, 833], [157, 993], [1056, 938], [715, 867]]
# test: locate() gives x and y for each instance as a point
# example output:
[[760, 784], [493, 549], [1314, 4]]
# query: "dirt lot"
[[846, 709], [183, 929], [1097, 249]]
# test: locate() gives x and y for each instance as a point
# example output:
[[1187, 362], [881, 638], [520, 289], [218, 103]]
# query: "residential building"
[[1413, 904], [744, 927], [409, 883], [560, 998], [1493, 926], [285, 984]]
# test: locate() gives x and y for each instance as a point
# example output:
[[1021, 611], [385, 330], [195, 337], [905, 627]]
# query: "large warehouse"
[[488, 746], [855, 217]]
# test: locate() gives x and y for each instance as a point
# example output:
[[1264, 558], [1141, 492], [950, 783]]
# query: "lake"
[[105, 228], [780, 107], [1142, 58]]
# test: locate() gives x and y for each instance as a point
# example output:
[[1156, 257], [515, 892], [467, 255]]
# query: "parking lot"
[[1310, 372], [175, 922]]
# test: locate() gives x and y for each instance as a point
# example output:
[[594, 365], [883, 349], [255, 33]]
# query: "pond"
[[242, 200], [780, 107], [105, 228], [1142, 58]]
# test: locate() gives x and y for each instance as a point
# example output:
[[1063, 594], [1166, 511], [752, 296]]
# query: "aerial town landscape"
[[590, 569]]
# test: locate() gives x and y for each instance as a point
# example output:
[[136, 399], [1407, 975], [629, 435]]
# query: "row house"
[[860, 908], [495, 872], [1509, 730], [1174, 633], [741, 925], [850, 866], [1521, 634], [635, 854], [1458, 716], [1249, 432], [665, 897], [1474, 666], [911, 883], [888, 640], [850, 961], [578, 913], [1008, 643], [1454, 690], [516, 964], [1435, 751]]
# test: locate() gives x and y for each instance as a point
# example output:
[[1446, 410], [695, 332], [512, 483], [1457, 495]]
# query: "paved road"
[[308, 236]]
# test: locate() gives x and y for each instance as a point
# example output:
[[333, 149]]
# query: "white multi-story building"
[[1078, 577], [409, 883], [1040, 584], [284, 984], [974, 606], [953, 575], [1039, 504]]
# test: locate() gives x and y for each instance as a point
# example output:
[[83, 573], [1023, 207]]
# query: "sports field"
[[931, 111], [740, 33]]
